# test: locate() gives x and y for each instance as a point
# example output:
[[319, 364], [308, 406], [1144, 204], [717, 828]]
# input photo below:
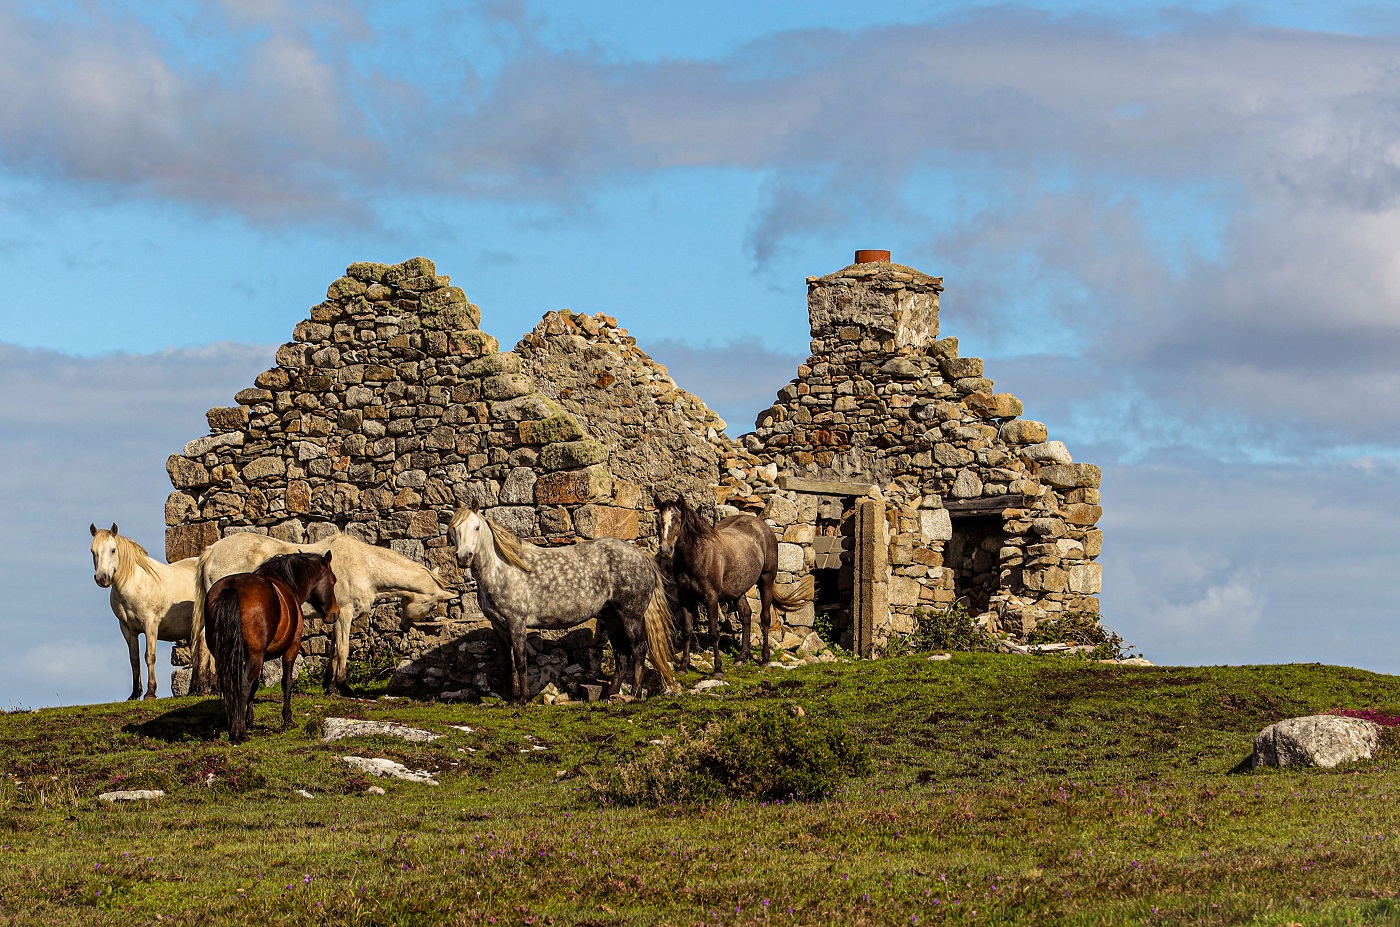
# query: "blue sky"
[[1169, 229]]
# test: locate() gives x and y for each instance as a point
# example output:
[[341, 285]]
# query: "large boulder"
[[1317, 740]]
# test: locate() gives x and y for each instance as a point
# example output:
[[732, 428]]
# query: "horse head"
[[674, 518], [310, 577], [322, 593], [417, 606], [466, 531], [105, 558]]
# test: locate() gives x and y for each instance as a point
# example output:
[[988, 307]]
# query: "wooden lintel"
[[824, 487], [986, 505]]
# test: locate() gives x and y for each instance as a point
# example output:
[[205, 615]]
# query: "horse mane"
[[510, 547], [283, 566], [130, 557], [692, 522]]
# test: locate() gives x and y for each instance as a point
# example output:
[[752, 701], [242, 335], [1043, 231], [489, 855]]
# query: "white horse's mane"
[[510, 547], [130, 557]]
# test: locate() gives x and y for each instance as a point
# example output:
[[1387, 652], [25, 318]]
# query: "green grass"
[[1006, 790]]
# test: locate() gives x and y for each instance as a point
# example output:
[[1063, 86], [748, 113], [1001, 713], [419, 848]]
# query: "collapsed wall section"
[[387, 410], [662, 441]]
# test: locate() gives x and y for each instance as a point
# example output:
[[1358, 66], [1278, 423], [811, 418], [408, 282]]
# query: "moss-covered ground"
[[1007, 790]]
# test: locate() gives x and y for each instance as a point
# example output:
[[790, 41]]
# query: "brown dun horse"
[[714, 565], [253, 616]]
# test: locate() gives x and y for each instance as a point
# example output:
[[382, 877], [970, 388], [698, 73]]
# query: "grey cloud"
[[101, 101], [1065, 132], [1204, 564], [1016, 87]]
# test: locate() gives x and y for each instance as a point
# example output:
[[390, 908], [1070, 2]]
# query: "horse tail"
[[199, 684], [659, 630], [788, 603], [224, 633]]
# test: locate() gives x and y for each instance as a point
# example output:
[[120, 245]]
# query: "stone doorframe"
[[870, 596]]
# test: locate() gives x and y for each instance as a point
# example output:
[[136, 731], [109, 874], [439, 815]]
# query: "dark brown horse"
[[715, 565], [253, 616]]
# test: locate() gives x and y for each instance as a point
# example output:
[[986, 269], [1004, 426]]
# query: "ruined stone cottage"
[[895, 476], [906, 482]]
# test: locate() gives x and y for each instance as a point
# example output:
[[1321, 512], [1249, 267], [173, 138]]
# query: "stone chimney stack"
[[879, 305]]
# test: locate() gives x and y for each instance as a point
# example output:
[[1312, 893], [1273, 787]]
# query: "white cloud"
[[70, 671]]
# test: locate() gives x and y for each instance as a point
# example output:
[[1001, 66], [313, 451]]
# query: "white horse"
[[148, 597], [363, 571]]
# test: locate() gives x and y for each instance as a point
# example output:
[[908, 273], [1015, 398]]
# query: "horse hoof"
[[150, 696]]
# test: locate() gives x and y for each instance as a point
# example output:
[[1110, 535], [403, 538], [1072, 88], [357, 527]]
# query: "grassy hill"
[[1006, 790]]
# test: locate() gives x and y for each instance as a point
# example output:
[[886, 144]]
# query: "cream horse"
[[148, 597], [363, 571]]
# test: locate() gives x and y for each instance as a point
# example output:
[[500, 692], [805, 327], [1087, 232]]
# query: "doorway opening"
[[974, 556]]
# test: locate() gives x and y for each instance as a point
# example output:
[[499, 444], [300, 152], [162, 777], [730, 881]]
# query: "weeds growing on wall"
[[772, 753], [1083, 628], [953, 629]]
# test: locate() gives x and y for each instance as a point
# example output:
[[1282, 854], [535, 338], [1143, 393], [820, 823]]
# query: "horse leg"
[[637, 640], [252, 678], [133, 649], [340, 655], [745, 612], [620, 650], [289, 661], [712, 610], [687, 632], [765, 614], [520, 681], [152, 632]]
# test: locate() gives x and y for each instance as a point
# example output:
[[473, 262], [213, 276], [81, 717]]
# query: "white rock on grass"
[[131, 795], [1316, 740], [388, 769], [338, 728], [706, 685]]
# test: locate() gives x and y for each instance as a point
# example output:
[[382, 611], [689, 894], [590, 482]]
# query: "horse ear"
[[326, 558], [114, 527], [93, 529]]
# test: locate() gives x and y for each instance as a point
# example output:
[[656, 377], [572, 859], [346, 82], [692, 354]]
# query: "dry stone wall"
[[661, 440], [387, 410]]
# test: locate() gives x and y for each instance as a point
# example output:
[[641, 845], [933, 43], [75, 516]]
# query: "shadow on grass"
[[204, 720]]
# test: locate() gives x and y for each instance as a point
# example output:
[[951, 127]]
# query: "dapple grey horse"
[[521, 586]]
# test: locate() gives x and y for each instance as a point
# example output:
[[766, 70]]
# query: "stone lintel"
[[984, 505], [824, 487]]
